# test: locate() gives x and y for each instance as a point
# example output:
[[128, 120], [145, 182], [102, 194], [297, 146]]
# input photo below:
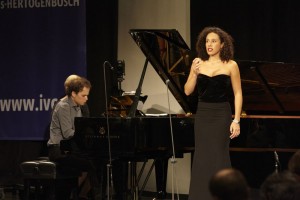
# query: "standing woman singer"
[[212, 73]]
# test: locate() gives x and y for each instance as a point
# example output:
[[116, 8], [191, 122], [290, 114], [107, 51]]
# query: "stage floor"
[[15, 194]]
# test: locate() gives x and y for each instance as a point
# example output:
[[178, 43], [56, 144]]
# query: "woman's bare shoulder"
[[232, 63]]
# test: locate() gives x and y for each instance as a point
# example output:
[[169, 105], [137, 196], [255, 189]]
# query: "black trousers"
[[73, 163]]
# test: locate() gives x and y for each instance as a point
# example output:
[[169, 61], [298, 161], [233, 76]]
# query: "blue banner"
[[41, 43]]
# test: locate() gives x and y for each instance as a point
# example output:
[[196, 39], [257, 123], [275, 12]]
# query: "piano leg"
[[161, 169], [118, 181], [120, 174]]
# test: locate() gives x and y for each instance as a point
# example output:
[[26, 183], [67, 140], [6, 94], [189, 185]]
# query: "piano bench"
[[47, 181]]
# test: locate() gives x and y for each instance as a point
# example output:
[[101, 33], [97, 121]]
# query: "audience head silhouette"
[[294, 164], [229, 184], [280, 186]]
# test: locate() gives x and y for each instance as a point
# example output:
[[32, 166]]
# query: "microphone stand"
[[173, 159], [109, 165]]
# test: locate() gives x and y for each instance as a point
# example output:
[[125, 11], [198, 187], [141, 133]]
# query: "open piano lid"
[[269, 88], [171, 58]]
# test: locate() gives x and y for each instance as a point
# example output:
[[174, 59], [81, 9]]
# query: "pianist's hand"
[[234, 130]]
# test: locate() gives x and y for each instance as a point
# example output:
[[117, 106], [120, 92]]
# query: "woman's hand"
[[234, 130], [192, 79], [196, 66]]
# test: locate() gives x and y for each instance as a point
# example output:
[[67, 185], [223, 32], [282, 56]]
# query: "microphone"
[[109, 65], [277, 163], [276, 157]]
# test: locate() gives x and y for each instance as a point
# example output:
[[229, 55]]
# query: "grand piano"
[[270, 122], [134, 136], [270, 130]]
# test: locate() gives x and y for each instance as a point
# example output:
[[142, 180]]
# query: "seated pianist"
[[62, 128]]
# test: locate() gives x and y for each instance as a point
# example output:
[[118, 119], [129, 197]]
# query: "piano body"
[[140, 136], [269, 123]]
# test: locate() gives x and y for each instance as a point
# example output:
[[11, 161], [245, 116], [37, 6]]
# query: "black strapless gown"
[[212, 123]]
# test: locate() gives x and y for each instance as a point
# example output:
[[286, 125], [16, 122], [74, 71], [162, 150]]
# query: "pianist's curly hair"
[[226, 53]]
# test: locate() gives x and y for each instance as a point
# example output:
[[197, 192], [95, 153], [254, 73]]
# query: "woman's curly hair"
[[227, 51]]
